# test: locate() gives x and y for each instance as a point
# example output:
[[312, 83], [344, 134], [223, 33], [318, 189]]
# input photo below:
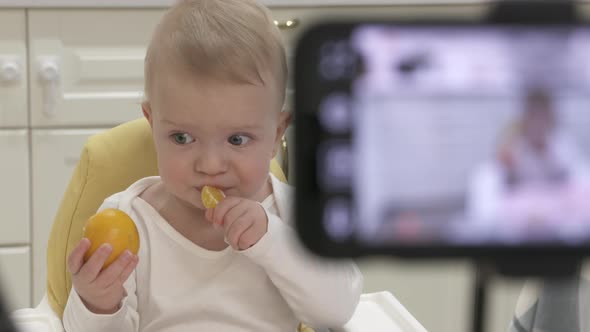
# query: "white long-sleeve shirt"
[[179, 286]]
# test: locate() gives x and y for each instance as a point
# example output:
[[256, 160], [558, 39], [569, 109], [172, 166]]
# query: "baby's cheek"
[[173, 173], [177, 174], [257, 176]]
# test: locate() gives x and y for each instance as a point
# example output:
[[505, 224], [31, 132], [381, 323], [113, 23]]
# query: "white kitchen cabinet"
[[293, 21], [14, 188], [15, 277], [87, 65], [13, 69], [166, 3], [85, 71], [502, 297], [438, 294], [55, 155], [304, 17]]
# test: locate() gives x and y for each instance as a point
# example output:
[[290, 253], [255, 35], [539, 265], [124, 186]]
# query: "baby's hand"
[[100, 290], [244, 221]]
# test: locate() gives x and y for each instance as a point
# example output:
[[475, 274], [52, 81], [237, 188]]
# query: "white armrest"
[[39, 319], [381, 312]]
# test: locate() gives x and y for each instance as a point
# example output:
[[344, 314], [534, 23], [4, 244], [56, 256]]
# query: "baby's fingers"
[[236, 231], [223, 207], [129, 269], [76, 258], [111, 274], [92, 267]]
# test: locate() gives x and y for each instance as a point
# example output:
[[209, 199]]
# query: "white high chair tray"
[[376, 312], [382, 312]]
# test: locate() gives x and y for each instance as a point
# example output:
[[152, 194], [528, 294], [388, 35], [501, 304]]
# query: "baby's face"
[[214, 133]]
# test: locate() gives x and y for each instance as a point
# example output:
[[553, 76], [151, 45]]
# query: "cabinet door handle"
[[9, 70], [50, 76], [288, 24]]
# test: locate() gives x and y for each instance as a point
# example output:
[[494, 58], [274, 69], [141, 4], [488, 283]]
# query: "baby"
[[215, 80]]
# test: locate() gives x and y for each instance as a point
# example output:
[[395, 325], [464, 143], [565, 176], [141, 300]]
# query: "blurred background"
[[73, 68]]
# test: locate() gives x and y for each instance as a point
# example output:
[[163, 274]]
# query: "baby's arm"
[[321, 293], [110, 294]]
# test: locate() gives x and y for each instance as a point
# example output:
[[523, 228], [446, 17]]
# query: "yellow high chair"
[[109, 163]]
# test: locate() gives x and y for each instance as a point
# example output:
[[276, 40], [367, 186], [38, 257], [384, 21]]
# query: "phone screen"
[[448, 135]]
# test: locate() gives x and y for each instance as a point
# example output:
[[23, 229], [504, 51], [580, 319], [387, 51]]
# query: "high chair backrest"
[[109, 163]]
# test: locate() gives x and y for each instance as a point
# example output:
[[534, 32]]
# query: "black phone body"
[[445, 139]]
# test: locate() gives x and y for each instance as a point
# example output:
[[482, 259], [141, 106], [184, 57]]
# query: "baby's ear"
[[147, 111], [283, 123]]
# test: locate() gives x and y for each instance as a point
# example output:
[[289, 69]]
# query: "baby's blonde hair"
[[233, 40]]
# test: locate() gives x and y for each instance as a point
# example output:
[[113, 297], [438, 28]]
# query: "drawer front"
[[88, 74], [55, 155], [14, 191], [15, 277]]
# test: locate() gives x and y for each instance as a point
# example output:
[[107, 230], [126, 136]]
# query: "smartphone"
[[452, 139]]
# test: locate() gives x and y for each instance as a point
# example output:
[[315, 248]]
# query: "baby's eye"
[[182, 138], [238, 139]]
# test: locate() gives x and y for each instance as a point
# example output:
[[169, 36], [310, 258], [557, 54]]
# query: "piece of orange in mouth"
[[211, 196]]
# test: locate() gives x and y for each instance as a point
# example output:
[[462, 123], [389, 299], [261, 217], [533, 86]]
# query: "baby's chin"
[[195, 205]]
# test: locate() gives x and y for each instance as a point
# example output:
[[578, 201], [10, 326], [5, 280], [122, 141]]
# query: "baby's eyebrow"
[[170, 122], [173, 123], [245, 127]]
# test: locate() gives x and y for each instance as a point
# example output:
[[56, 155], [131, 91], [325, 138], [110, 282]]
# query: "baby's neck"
[[187, 220]]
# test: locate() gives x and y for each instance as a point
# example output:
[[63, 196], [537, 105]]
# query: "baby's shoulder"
[[140, 189], [281, 188], [153, 194]]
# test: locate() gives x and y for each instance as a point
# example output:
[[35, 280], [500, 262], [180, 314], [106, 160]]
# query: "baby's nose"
[[210, 162]]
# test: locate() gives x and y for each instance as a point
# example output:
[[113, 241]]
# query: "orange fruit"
[[211, 196], [111, 226]]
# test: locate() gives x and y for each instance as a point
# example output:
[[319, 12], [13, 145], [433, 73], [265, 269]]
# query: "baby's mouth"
[[222, 188]]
